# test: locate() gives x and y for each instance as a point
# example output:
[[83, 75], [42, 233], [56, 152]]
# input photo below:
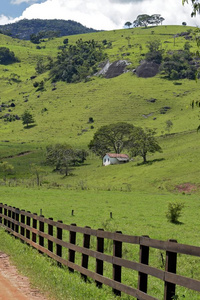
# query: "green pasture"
[[136, 194], [133, 213]]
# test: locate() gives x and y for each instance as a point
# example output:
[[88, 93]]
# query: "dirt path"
[[14, 286]]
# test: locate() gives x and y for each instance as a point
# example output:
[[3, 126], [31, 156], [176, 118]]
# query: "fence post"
[[170, 266], [22, 229], [9, 215], [41, 229], [99, 262], [59, 247], [13, 218], [72, 240], [28, 222], [85, 258], [17, 219], [50, 232], [117, 270], [144, 259], [34, 235], [5, 214], [1, 210]]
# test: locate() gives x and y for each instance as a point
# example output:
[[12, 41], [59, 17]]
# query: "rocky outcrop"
[[110, 70], [147, 69]]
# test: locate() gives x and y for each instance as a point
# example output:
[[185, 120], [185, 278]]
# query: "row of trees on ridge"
[[145, 20]]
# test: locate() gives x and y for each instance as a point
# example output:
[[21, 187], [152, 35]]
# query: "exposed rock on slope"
[[110, 70], [147, 69]]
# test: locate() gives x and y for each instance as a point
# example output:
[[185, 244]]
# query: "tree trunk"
[[144, 158], [66, 170]]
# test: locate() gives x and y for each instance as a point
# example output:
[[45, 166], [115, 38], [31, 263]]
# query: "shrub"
[[7, 56], [174, 211]]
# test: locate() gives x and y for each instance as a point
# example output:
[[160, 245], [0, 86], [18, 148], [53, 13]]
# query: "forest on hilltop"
[[50, 28]]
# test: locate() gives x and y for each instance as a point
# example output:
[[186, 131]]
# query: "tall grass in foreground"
[[133, 213], [56, 283]]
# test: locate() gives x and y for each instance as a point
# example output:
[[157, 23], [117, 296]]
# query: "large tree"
[[63, 156], [128, 24], [143, 142], [142, 20], [111, 138], [145, 20], [27, 118]]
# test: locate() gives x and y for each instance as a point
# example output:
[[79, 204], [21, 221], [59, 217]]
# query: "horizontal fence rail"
[[46, 235]]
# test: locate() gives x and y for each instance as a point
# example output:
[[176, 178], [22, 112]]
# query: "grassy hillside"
[[136, 193], [62, 112]]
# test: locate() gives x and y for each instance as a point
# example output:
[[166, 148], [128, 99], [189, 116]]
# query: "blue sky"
[[15, 8], [12, 10], [98, 14]]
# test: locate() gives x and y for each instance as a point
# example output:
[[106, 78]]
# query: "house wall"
[[107, 160]]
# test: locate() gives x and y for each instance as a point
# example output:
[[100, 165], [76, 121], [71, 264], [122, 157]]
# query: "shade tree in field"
[[62, 157], [27, 118], [124, 136], [143, 142], [111, 138]]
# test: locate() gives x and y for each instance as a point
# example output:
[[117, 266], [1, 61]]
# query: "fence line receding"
[[48, 237]]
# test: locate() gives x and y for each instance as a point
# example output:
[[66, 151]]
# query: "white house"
[[114, 159]]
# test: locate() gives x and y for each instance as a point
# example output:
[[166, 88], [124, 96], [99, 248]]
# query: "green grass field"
[[133, 213], [136, 194]]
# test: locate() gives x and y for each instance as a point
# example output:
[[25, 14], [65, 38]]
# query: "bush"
[[174, 211], [7, 56]]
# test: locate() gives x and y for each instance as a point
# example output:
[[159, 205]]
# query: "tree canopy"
[[23, 29], [145, 20], [142, 142], [195, 4], [111, 138], [27, 118], [63, 156], [76, 62], [7, 56], [155, 52], [124, 136], [179, 65]]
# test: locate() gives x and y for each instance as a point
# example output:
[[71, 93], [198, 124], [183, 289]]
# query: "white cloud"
[[109, 14], [23, 1], [5, 20]]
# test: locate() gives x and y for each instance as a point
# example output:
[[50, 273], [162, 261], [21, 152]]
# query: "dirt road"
[[14, 286]]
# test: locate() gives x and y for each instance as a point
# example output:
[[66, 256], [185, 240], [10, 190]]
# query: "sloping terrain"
[[24, 28], [62, 111]]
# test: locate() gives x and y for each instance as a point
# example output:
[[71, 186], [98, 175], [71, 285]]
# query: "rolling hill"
[[137, 194], [24, 28], [62, 112]]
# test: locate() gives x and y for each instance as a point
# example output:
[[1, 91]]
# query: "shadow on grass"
[[30, 126], [150, 162], [177, 223]]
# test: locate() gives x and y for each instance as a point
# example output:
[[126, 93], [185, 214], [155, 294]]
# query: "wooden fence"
[[46, 236]]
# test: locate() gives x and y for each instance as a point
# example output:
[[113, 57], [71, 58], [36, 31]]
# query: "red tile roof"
[[115, 155]]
